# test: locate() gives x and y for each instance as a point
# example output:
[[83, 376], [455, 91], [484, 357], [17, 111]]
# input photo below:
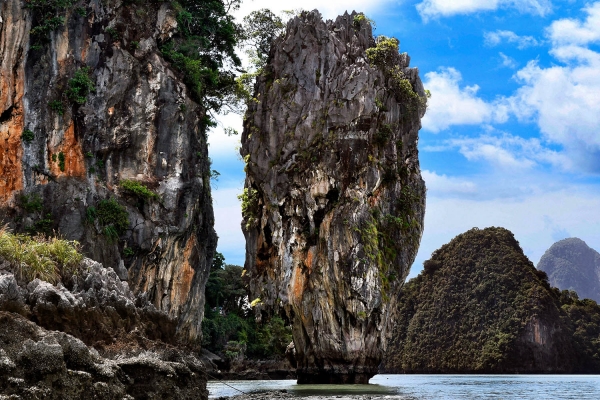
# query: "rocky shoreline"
[[90, 339]]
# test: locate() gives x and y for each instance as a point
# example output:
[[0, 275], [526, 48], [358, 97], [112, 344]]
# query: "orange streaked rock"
[[11, 153], [182, 279], [13, 35], [71, 149]]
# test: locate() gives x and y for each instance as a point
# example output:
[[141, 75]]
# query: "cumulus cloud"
[[497, 37], [572, 31], [507, 151], [450, 104], [564, 103], [447, 185], [563, 99], [431, 9]]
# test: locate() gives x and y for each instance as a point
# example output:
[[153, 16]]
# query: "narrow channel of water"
[[435, 387]]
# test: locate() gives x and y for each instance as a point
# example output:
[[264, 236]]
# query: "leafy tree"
[[204, 51], [259, 29], [227, 318]]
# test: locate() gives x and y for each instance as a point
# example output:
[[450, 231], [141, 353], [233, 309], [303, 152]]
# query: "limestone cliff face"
[[62, 158], [572, 265], [334, 201]]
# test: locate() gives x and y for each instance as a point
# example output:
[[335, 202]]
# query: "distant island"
[[572, 265]]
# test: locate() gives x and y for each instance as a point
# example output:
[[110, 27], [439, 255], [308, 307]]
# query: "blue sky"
[[512, 134]]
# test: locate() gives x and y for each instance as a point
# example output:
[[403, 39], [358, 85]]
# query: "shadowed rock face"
[[139, 124], [572, 265], [334, 201]]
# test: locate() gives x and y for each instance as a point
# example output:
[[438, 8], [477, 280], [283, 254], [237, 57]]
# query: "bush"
[[31, 203], [40, 257], [249, 199], [112, 218], [61, 161], [43, 225], [138, 189], [382, 136], [80, 86], [384, 52], [384, 56], [27, 136], [57, 106]]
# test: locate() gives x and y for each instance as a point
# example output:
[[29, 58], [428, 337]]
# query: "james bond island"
[[333, 203]]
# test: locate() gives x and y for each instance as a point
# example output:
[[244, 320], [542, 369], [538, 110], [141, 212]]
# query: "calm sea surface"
[[436, 387]]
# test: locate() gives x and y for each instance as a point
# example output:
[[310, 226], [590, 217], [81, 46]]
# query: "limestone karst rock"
[[87, 105], [480, 306], [333, 203], [572, 265]]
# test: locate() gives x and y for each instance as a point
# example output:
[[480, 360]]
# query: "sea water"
[[434, 387]]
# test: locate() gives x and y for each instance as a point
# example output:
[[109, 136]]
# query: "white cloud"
[[507, 61], [452, 105], [507, 151], [497, 37], [572, 31], [563, 101], [446, 185], [431, 9]]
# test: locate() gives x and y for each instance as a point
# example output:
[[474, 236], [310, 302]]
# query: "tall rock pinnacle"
[[334, 202]]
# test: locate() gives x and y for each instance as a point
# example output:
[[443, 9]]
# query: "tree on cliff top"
[[203, 49]]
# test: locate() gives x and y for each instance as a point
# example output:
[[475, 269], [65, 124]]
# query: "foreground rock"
[[572, 265], [480, 306], [90, 339], [333, 202], [39, 364], [95, 306]]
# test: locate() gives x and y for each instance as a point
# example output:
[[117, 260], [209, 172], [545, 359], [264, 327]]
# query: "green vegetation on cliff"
[[229, 327], [46, 258], [481, 306], [202, 49]]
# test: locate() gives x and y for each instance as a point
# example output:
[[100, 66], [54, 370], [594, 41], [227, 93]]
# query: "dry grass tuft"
[[46, 258]]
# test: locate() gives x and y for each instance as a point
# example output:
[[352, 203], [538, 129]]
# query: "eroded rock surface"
[[95, 306], [40, 364], [61, 158], [90, 338], [334, 201]]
